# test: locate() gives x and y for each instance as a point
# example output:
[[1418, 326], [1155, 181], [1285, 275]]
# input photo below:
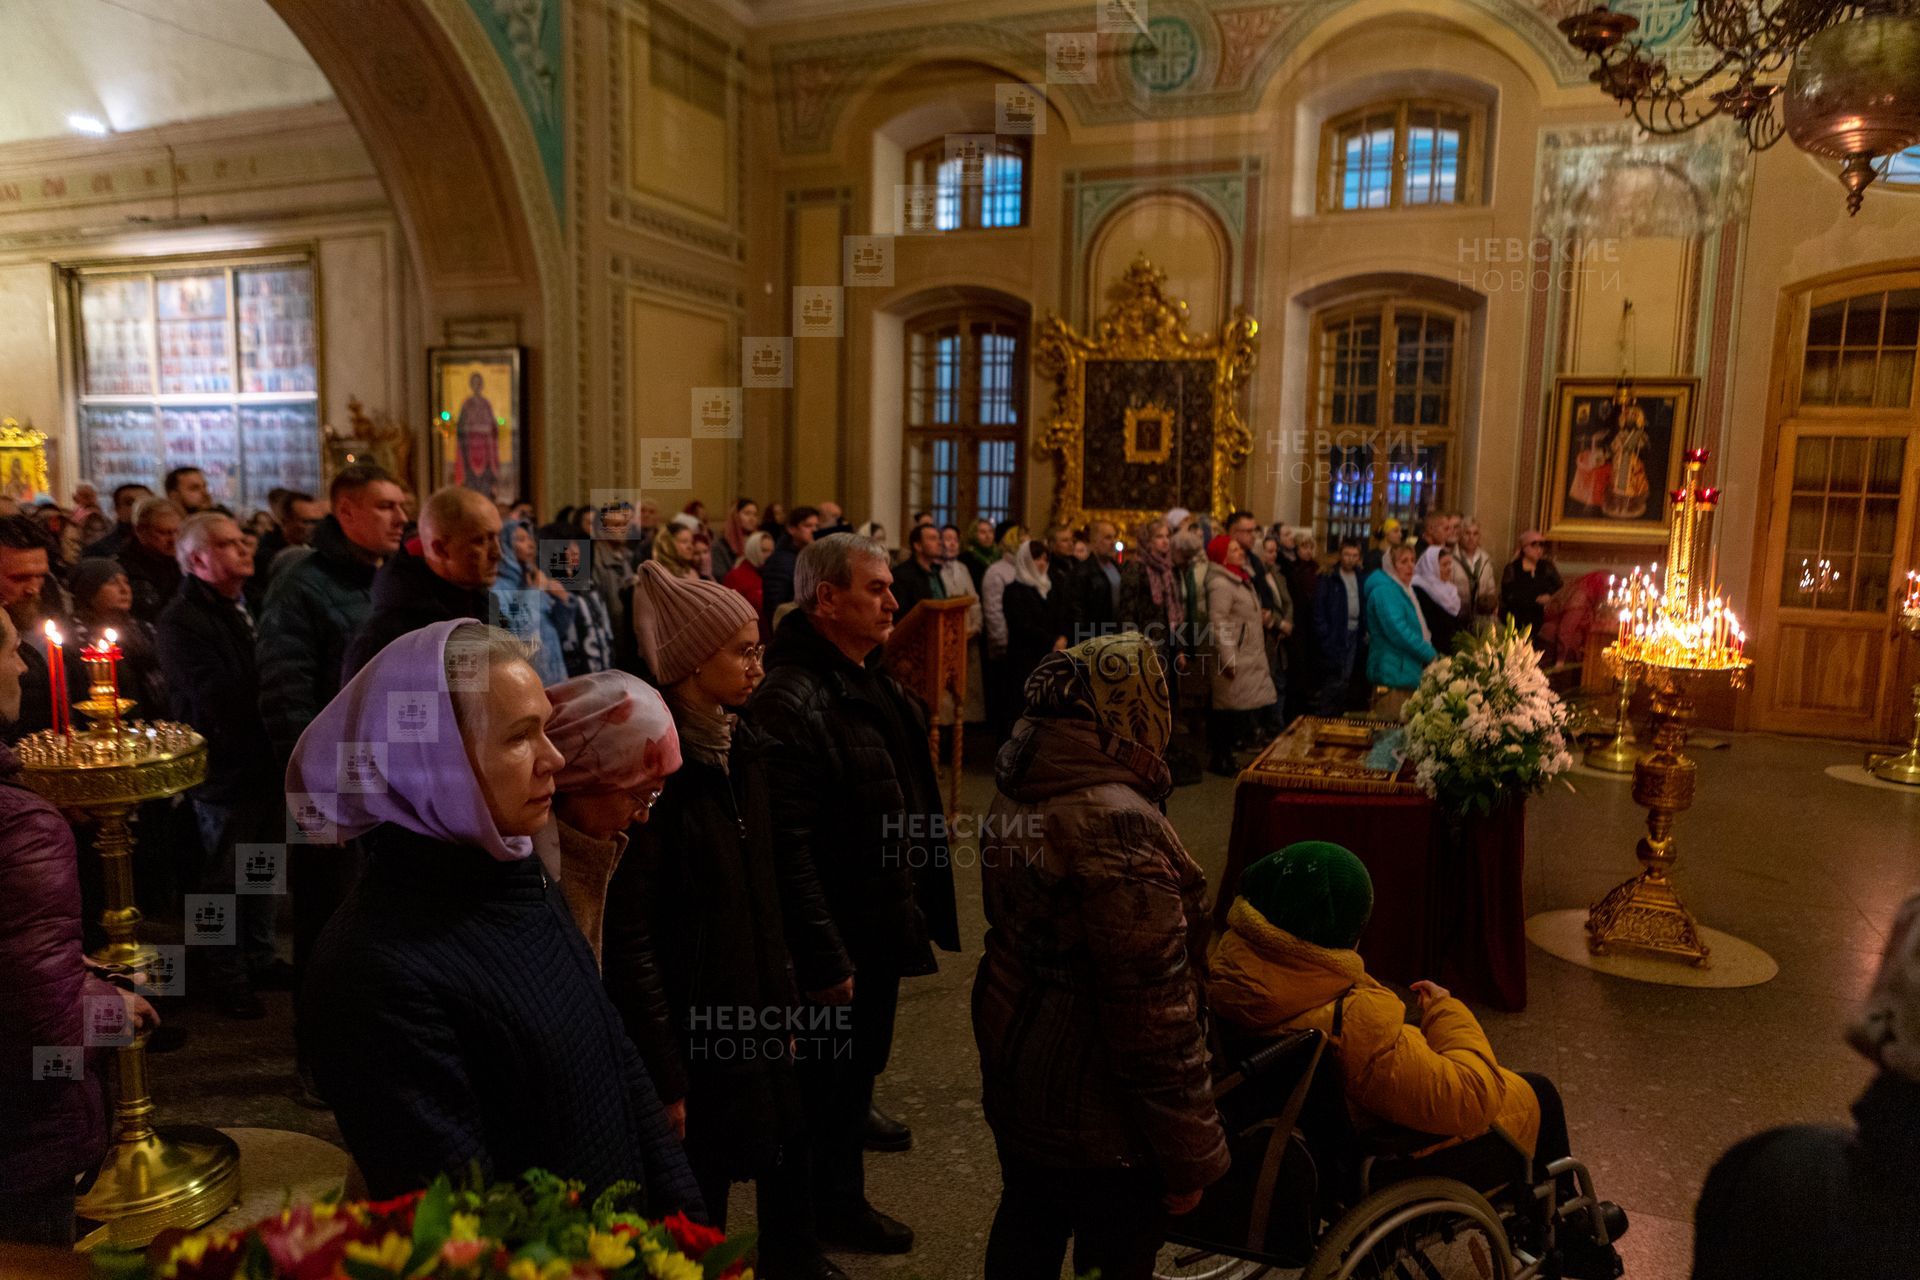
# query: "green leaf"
[[726, 1253], [358, 1270], [432, 1222]]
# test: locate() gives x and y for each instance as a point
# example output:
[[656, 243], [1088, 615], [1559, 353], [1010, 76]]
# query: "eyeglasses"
[[754, 655]]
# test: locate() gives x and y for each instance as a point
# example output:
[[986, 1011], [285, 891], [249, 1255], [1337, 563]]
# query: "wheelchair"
[[1310, 1196]]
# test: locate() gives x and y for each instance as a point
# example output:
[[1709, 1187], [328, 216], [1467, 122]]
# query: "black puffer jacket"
[[855, 797], [407, 595], [312, 610], [1087, 1004], [154, 578], [452, 1013], [695, 904]]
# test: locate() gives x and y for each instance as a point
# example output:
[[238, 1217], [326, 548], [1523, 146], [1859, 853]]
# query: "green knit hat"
[[1316, 891]]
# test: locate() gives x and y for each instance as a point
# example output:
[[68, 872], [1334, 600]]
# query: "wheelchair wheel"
[[1421, 1229], [1195, 1262]]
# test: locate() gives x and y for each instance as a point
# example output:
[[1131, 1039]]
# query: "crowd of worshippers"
[[628, 888]]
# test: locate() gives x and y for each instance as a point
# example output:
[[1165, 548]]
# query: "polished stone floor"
[[1658, 1080]]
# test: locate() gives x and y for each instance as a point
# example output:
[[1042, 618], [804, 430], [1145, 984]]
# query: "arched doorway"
[[435, 110]]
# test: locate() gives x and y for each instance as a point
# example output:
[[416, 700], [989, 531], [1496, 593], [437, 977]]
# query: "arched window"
[[1903, 168], [1386, 406], [1411, 153], [966, 382], [1860, 351], [980, 180]]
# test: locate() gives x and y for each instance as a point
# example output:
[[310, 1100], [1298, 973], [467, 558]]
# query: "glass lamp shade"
[[1855, 89]]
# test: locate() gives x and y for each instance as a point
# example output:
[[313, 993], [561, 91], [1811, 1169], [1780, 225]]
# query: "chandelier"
[[1841, 79], [1683, 622]]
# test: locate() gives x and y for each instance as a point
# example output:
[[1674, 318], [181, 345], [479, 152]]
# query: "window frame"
[[967, 429], [1472, 143], [1847, 291], [922, 167], [1387, 307]]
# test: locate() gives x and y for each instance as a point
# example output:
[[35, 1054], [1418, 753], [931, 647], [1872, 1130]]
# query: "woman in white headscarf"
[[1036, 622], [1437, 595]]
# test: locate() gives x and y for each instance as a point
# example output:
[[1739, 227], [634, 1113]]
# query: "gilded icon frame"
[[1144, 325], [1667, 406]]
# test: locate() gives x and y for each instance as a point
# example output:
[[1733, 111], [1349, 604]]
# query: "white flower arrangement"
[[1484, 723]]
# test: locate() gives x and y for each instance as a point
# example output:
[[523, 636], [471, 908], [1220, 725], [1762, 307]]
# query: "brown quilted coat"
[[1087, 1005]]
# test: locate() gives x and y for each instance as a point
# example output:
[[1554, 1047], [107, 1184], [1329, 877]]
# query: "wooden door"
[[1841, 522]]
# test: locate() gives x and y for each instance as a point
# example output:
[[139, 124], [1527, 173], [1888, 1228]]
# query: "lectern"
[[927, 653]]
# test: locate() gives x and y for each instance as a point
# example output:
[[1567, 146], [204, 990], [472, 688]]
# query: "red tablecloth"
[[1447, 898]]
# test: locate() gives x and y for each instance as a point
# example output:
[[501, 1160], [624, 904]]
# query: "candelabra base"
[[1617, 755], [1646, 915], [176, 1176], [1903, 768]]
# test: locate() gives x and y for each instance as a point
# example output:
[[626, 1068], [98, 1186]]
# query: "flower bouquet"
[[1484, 724], [535, 1229]]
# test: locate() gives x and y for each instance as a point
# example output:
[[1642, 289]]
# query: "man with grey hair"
[[205, 640], [445, 571], [867, 884], [152, 571]]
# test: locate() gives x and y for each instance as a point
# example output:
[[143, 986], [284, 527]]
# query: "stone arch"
[[436, 111]]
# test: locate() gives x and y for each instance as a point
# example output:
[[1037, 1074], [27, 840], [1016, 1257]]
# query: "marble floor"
[[1658, 1080]]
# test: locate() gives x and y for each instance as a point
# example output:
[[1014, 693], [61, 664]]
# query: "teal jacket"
[[1397, 650]]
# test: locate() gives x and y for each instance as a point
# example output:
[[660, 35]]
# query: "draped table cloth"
[[1447, 893]]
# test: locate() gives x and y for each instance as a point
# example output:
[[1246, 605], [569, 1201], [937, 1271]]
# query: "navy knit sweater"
[[452, 1013]]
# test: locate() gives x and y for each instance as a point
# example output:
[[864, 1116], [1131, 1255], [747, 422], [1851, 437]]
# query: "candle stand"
[[1904, 768], [154, 1177]]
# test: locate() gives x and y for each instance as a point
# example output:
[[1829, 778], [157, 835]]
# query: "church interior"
[[1633, 291]]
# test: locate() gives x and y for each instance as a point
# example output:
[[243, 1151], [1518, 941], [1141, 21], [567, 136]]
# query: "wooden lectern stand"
[[927, 653]]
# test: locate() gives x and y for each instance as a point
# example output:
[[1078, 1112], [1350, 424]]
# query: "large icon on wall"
[[479, 420], [1616, 446], [23, 461], [1144, 417]]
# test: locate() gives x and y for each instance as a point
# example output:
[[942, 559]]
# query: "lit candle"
[[56, 679]]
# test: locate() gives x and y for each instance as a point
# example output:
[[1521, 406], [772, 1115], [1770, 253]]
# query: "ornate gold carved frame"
[[1144, 325]]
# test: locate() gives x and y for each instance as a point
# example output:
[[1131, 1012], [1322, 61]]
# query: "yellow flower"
[[528, 1269], [663, 1265], [465, 1226], [190, 1250], [391, 1253], [609, 1253]]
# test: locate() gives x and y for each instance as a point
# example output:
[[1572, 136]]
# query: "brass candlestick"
[[153, 1178], [1905, 767], [1620, 754], [1675, 637]]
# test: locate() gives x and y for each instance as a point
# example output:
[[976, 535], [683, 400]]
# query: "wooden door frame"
[[1783, 394]]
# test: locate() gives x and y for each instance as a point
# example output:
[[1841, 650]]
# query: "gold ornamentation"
[[23, 461], [1318, 754], [153, 1178], [1143, 325], [1149, 437]]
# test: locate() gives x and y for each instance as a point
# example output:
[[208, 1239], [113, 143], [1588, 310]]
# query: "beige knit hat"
[[681, 622]]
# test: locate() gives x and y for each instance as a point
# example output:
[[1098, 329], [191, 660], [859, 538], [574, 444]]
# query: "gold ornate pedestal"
[[1646, 913], [153, 1178], [1621, 753], [1905, 767]]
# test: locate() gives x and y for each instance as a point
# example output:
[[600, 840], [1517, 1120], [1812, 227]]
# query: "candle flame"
[[111, 637], [53, 632]]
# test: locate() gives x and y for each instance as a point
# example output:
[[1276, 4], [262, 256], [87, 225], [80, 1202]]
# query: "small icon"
[[363, 768], [166, 971], [1120, 17], [414, 715], [59, 1062], [1070, 58], [210, 920], [766, 362], [817, 311], [718, 413], [105, 1022], [1019, 109], [310, 819], [866, 261], [916, 208], [260, 868], [666, 462]]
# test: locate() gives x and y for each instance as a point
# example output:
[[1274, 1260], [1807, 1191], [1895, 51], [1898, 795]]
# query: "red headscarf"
[[1217, 552]]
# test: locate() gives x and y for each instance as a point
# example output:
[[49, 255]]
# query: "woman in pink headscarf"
[[452, 1014]]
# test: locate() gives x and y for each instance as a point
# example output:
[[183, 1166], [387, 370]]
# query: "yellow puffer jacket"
[[1439, 1077]]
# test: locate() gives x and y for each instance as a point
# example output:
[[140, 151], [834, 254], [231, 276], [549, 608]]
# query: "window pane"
[[1414, 474], [195, 356], [1000, 196], [1843, 526], [994, 500], [1803, 523], [1863, 320], [1433, 157], [1810, 465], [1349, 493], [1895, 386], [1849, 465], [996, 379], [1365, 168], [1855, 385], [946, 207], [1878, 521], [1889, 458], [946, 377], [1870, 584], [1823, 325], [1903, 318], [1820, 382]]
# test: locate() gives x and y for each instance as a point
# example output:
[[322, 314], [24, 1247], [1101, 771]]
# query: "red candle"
[[111, 643], [1696, 455], [56, 679]]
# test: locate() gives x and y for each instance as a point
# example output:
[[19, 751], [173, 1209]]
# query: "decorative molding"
[[1231, 58], [527, 39], [641, 211], [1229, 188]]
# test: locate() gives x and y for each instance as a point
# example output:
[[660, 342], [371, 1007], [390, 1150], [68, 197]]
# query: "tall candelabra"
[[1905, 767], [1622, 751], [1678, 637], [153, 1177]]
